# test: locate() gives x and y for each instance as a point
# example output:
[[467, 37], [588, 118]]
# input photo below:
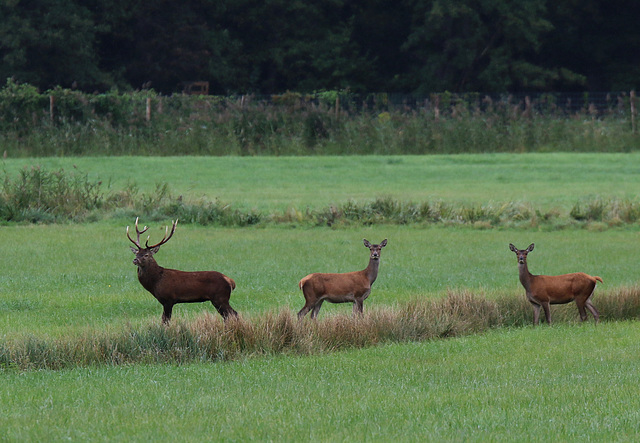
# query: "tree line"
[[271, 46]]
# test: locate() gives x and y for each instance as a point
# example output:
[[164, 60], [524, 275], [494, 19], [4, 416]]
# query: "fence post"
[[632, 100], [51, 100], [148, 109]]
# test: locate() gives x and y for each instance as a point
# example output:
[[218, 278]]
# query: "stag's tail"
[[595, 277], [231, 282]]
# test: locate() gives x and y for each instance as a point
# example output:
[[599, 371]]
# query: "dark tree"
[[49, 43]]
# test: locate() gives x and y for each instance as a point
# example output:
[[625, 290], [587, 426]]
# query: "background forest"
[[270, 46]]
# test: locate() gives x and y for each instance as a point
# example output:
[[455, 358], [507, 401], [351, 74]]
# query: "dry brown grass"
[[207, 338]]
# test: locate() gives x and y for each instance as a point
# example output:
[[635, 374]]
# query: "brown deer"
[[545, 290], [170, 286], [353, 287]]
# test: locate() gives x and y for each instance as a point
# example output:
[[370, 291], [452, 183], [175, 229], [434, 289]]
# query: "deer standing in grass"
[[170, 286], [545, 290], [353, 287]]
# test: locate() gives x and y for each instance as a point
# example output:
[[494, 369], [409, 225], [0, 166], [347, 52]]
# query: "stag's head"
[[144, 255], [521, 253], [375, 249]]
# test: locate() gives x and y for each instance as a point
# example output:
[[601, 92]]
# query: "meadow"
[[279, 183], [68, 280], [565, 383]]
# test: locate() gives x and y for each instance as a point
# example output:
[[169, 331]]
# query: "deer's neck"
[[525, 275], [372, 270], [149, 275]]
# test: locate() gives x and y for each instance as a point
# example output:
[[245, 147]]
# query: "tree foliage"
[[270, 46]]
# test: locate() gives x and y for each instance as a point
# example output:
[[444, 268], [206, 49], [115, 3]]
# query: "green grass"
[[65, 278], [565, 383], [276, 183]]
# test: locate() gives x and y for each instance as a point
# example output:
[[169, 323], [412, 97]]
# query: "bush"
[[41, 196], [328, 122]]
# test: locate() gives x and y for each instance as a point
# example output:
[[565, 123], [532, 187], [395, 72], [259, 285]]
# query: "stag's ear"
[[134, 250], [513, 248], [530, 248], [154, 250], [384, 243], [366, 242]]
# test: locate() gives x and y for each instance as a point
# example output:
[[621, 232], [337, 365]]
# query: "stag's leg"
[[536, 313], [316, 309], [166, 314], [547, 312], [225, 310]]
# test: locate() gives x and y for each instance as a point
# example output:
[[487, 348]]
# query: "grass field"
[[67, 277], [268, 183], [567, 382]]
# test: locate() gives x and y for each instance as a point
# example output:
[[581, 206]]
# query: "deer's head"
[[144, 255], [375, 249], [521, 253]]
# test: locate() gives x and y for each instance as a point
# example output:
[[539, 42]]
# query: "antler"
[[138, 231], [165, 239]]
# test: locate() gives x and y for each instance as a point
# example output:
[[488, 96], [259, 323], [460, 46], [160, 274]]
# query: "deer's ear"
[[384, 243], [530, 248], [134, 250], [154, 250], [366, 242], [512, 247]]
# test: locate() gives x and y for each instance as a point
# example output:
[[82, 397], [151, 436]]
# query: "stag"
[[350, 287], [170, 286], [545, 290]]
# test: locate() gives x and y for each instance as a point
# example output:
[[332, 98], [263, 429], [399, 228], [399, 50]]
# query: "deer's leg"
[[308, 305], [358, 307], [593, 310], [581, 310], [166, 314], [547, 311], [225, 310], [536, 313], [303, 311], [316, 309]]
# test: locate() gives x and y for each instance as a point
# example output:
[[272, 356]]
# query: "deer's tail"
[[595, 277], [231, 282], [304, 280]]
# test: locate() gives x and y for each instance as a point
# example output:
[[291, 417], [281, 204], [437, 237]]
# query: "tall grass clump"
[[208, 338], [40, 195]]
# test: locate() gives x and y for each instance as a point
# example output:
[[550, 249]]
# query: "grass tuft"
[[207, 338]]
